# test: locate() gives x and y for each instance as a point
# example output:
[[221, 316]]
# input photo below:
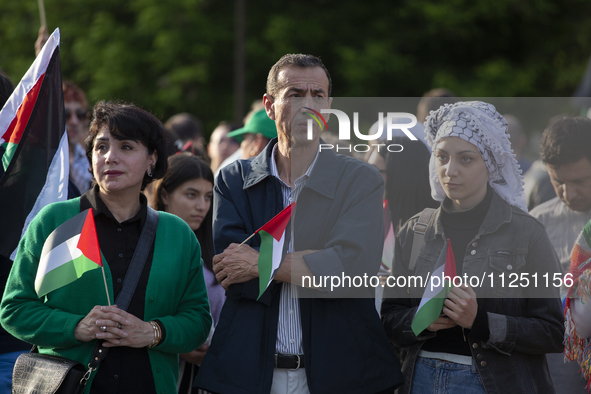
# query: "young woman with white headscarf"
[[489, 339]]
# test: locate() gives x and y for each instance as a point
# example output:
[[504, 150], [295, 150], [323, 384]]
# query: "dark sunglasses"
[[80, 114]]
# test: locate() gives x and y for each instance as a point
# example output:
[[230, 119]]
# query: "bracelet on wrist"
[[157, 335]]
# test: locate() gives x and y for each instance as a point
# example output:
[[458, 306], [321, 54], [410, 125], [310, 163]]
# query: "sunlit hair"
[[73, 93]]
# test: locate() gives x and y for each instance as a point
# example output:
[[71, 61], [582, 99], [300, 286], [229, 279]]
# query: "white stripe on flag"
[[430, 292], [56, 184], [60, 255], [31, 77], [277, 254]]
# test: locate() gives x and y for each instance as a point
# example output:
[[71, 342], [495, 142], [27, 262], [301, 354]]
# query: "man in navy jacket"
[[295, 339]]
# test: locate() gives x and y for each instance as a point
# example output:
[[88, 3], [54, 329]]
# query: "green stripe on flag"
[[429, 312], [65, 274], [265, 262], [433, 297], [10, 148]]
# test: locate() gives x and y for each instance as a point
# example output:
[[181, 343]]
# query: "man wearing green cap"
[[255, 135]]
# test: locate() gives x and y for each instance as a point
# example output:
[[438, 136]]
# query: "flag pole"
[[106, 287], [42, 12], [253, 234]]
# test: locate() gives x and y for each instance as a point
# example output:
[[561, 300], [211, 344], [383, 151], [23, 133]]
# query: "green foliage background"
[[170, 56]]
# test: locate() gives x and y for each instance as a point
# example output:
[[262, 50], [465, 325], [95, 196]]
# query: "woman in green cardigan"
[[169, 311]]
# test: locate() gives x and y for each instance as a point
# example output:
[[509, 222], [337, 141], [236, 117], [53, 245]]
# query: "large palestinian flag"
[[433, 297], [70, 250], [274, 244], [32, 135]]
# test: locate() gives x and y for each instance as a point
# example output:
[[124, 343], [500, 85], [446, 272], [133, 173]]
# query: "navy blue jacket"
[[339, 212]]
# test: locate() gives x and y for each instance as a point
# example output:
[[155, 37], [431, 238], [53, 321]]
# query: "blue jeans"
[[7, 361], [433, 376]]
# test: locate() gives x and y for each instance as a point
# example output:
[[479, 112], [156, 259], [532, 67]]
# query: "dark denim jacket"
[[522, 329]]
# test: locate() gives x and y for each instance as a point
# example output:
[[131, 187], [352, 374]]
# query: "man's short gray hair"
[[294, 60]]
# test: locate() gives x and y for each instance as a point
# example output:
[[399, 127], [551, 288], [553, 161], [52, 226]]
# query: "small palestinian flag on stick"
[[273, 246], [70, 250], [433, 297]]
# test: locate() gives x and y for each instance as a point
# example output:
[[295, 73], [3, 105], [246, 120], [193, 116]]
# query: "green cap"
[[259, 123]]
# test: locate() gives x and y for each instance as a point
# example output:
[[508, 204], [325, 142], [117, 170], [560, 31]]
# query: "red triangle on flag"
[[450, 262], [17, 127], [88, 242], [276, 226]]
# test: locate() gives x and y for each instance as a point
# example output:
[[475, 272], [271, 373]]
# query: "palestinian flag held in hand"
[[432, 302], [274, 242], [70, 250], [35, 163]]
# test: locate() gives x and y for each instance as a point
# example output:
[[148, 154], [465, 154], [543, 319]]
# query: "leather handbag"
[[36, 373]]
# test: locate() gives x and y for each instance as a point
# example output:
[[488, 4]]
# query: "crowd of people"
[[183, 210]]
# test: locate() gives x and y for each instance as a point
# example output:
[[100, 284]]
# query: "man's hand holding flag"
[[275, 239]]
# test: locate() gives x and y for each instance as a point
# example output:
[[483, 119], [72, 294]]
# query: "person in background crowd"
[[77, 116], [189, 132], [221, 146], [255, 135], [518, 141], [186, 190], [577, 311], [564, 149], [292, 344], [238, 154], [409, 171], [476, 345], [169, 312], [537, 185], [432, 100]]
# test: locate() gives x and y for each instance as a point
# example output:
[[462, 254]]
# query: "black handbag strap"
[[132, 277], [140, 255]]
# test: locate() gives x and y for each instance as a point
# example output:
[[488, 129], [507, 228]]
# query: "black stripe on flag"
[[65, 231]]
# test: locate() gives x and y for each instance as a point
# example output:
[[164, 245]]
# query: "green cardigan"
[[175, 295]]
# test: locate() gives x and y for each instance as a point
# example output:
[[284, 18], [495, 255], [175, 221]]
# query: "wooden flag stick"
[[106, 287], [253, 234], [42, 12]]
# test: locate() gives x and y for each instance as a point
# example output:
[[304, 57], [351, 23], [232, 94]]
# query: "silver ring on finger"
[[119, 325], [103, 328]]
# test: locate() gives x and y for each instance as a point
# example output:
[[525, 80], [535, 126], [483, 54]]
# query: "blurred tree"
[[171, 56]]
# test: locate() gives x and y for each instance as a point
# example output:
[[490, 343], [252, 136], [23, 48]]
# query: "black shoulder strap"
[[419, 229], [138, 261]]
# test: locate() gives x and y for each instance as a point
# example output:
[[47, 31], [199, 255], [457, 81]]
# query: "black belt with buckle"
[[289, 361]]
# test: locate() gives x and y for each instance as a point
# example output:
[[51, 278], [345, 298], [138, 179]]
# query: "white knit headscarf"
[[481, 125]]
